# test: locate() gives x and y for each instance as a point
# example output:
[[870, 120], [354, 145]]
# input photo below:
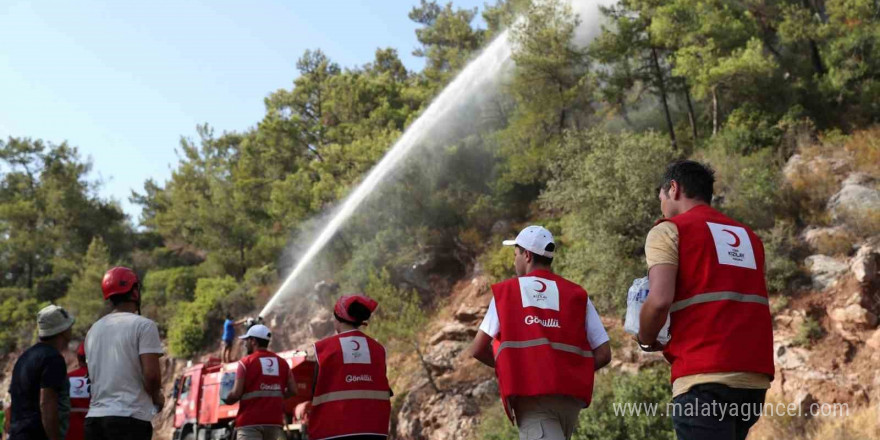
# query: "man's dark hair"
[[695, 179], [262, 343], [124, 297], [229, 316], [540, 259]]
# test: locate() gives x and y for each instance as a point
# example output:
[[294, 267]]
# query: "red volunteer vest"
[[352, 395], [265, 380], [79, 403], [542, 347], [720, 315]]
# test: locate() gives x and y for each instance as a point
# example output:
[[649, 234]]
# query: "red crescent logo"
[[357, 345], [81, 384], [736, 241], [543, 287], [271, 362]]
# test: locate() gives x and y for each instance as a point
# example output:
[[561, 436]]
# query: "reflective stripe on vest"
[[256, 394], [544, 341], [350, 395], [79, 410], [718, 296]]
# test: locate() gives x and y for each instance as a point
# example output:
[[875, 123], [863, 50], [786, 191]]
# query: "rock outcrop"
[[859, 192]]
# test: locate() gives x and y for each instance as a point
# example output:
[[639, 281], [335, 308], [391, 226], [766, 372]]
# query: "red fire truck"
[[200, 414]]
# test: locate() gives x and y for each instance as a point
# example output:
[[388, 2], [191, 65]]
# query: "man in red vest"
[[548, 341], [352, 398], [707, 272], [262, 382], [79, 396]]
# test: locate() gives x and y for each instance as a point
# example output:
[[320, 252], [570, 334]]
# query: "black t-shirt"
[[41, 366]]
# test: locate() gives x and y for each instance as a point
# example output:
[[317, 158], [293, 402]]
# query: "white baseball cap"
[[535, 239], [258, 331]]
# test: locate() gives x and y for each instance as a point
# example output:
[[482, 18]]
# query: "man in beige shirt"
[[718, 316]]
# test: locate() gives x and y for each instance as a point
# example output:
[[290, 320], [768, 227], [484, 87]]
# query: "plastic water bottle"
[[635, 298]]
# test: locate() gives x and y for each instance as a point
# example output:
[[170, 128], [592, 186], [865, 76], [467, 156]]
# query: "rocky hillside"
[[826, 340]]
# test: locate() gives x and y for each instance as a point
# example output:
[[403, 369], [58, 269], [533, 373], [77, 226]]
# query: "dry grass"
[[864, 148], [860, 424], [863, 424]]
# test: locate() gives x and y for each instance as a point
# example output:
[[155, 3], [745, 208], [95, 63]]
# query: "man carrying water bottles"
[[707, 272], [548, 341]]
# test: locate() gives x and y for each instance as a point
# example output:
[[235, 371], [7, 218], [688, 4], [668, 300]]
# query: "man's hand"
[[655, 310], [655, 346], [159, 401]]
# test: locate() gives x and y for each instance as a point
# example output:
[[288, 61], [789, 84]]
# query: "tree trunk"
[[714, 111], [241, 264], [692, 117], [426, 367], [816, 58], [662, 86], [30, 273]]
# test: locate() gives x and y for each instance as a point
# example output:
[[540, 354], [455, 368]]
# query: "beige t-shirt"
[[661, 247]]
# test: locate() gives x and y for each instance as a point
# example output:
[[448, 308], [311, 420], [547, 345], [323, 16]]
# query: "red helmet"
[[345, 301], [119, 280]]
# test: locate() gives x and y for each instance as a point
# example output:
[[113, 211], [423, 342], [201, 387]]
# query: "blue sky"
[[124, 80]]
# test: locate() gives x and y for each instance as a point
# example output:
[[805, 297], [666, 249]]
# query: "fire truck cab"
[[199, 411]]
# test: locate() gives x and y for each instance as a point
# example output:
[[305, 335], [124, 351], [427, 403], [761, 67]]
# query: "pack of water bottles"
[[635, 297]]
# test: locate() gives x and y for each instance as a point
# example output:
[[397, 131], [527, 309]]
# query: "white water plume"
[[478, 77]]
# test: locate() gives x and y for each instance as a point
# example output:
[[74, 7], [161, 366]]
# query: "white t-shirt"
[[596, 334], [113, 348]]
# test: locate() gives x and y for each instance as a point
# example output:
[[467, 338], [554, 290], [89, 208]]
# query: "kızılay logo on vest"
[[550, 323]]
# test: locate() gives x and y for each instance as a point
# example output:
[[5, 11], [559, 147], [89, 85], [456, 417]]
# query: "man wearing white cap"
[[40, 390], [262, 382], [544, 339]]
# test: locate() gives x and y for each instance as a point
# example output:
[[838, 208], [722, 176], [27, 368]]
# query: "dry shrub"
[[839, 244], [812, 180], [864, 148]]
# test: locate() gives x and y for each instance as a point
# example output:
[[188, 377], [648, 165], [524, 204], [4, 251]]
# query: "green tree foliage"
[[551, 88], [191, 329], [165, 289], [49, 214], [84, 298], [447, 39], [605, 186], [648, 386], [18, 318]]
